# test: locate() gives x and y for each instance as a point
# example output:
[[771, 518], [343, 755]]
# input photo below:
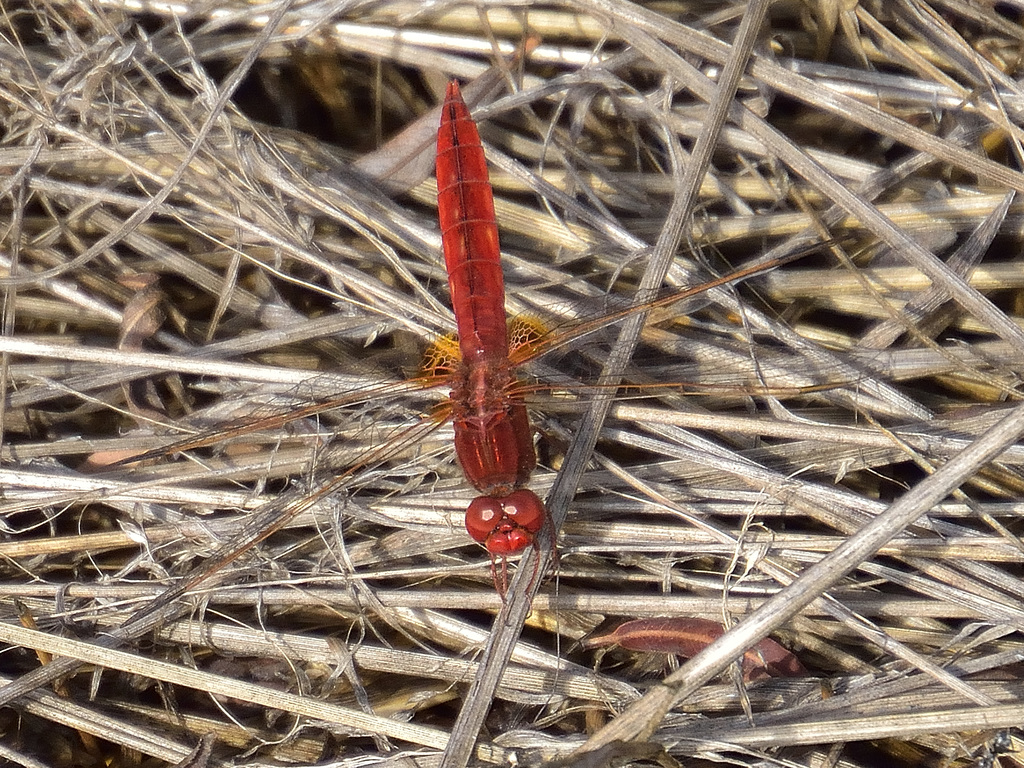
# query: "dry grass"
[[191, 246]]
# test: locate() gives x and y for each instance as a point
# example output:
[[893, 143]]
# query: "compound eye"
[[483, 517], [525, 509]]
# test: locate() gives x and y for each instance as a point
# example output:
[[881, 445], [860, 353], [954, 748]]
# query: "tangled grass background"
[[220, 254]]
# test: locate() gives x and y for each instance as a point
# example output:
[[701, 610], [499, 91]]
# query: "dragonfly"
[[493, 437], [487, 403]]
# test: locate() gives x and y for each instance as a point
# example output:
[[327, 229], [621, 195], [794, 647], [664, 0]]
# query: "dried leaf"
[[688, 636]]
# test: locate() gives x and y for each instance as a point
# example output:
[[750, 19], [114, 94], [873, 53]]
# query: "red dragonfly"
[[493, 437]]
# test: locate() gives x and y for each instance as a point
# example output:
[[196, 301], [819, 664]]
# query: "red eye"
[[505, 526]]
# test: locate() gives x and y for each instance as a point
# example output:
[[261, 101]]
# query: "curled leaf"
[[684, 636]]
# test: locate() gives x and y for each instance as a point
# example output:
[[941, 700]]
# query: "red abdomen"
[[493, 439], [469, 234]]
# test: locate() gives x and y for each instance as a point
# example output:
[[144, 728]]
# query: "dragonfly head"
[[506, 525]]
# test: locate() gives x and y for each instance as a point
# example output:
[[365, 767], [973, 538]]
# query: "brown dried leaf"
[[687, 636]]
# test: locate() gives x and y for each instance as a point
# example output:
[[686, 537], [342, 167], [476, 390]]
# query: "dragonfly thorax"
[[493, 439]]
